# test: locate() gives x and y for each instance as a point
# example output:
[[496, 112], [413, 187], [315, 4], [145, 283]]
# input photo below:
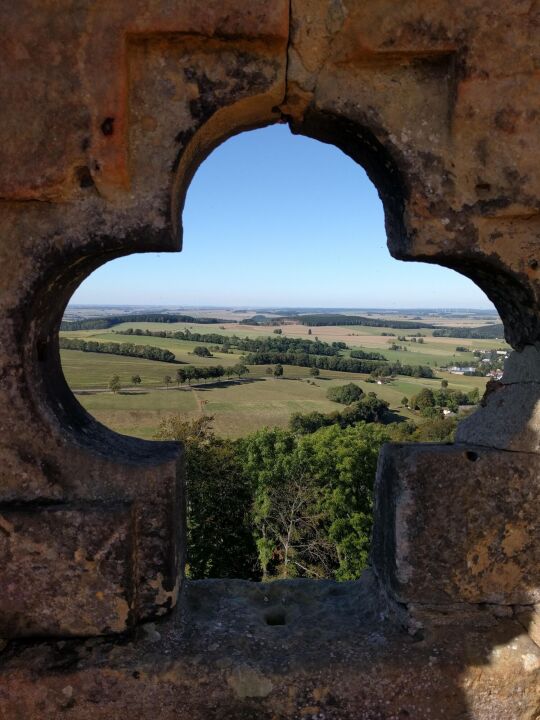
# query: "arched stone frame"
[[102, 511], [395, 170]]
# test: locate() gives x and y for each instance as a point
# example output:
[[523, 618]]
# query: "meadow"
[[242, 406]]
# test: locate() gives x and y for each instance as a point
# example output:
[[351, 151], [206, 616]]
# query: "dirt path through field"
[[200, 403]]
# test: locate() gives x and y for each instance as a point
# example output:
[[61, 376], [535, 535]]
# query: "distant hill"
[[102, 323], [338, 319], [259, 320], [484, 332]]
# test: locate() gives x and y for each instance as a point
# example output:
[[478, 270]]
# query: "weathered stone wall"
[[108, 110]]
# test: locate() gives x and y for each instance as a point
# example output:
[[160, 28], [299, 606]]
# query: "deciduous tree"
[[278, 370], [114, 384]]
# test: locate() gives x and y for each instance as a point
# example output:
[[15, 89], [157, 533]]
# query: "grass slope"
[[239, 407]]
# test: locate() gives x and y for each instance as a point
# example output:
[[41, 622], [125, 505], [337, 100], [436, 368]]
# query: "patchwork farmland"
[[256, 399]]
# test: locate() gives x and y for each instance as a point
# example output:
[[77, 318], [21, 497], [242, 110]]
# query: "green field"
[[242, 406]]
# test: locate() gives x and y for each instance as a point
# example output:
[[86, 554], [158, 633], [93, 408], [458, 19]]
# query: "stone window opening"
[[128, 458], [124, 103], [197, 562]]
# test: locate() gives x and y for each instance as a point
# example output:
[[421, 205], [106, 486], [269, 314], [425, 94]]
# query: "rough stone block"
[[98, 559], [508, 419], [523, 367], [458, 523], [509, 415], [59, 558], [334, 657]]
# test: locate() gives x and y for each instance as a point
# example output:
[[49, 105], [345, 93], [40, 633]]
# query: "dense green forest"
[[285, 503], [477, 333]]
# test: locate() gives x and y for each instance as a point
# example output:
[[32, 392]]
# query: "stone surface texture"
[[509, 415], [335, 655], [469, 535], [108, 108]]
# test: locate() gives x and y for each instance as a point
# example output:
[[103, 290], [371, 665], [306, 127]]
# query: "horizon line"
[[283, 307]]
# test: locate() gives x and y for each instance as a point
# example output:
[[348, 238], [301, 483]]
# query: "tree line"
[[430, 402], [363, 355], [316, 320], [102, 323], [148, 352], [270, 357], [192, 373], [342, 364], [493, 331], [187, 374], [279, 343]]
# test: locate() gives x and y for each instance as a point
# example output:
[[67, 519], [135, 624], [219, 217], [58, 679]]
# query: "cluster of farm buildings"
[[493, 361]]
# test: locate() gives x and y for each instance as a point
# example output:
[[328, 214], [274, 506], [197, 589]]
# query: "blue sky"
[[274, 219]]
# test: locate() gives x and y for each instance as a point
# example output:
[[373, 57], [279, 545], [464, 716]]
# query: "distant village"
[[490, 364]]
